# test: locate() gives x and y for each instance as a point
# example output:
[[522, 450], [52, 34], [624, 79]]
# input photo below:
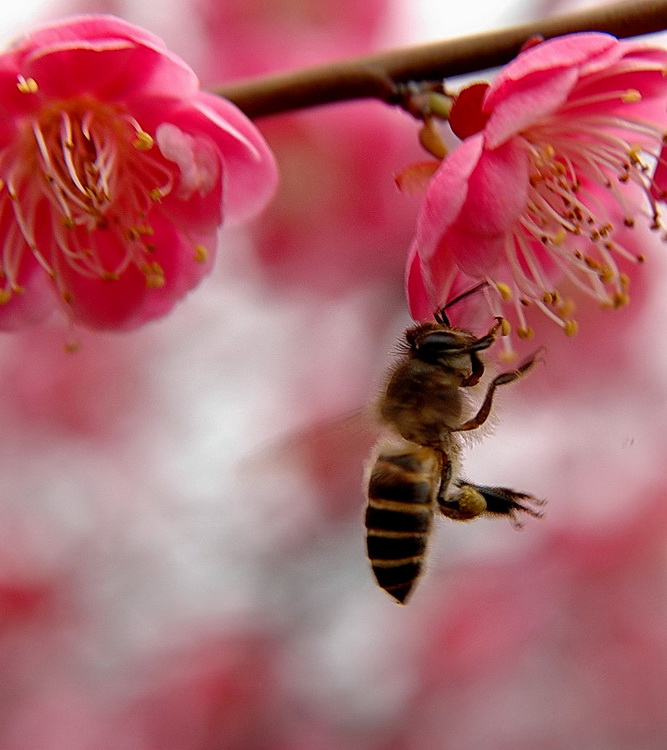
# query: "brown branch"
[[375, 76]]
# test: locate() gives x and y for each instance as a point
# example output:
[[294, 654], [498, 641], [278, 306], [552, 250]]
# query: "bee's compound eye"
[[440, 341]]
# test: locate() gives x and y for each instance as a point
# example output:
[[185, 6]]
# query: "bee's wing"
[[329, 455]]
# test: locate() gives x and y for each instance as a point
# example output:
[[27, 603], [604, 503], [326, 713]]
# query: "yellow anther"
[[525, 333], [5, 296], [201, 254], [624, 281], [567, 308], [631, 95], [67, 222], [559, 237], [504, 290], [143, 141], [27, 85], [548, 152], [620, 299], [505, 327], [72, 346], [571, 328], [154, 275], [606, 274], [155, 195], [109, 276], [634, 154], [66, 296]]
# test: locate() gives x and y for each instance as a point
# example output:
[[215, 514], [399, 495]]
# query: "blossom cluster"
[[555, 163], [116, 172]]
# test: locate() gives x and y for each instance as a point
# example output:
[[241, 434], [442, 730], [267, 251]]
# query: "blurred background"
[[182, 562]]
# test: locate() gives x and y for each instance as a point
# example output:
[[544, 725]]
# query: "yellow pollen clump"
[[606, 274], [567, 308], [571, 328], [559, 237], [143, 141], [631, 95], [634, 154], [548, 152], [620, 299], [27, 85], [504, 290], [505, 327], [154, 275], [201, 254], [525, 333]]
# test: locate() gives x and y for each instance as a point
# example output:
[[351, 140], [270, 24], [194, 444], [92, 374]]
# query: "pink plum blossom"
[[551, 170], [116, 173]]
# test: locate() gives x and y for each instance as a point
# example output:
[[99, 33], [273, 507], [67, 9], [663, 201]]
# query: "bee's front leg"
[[503, 379]]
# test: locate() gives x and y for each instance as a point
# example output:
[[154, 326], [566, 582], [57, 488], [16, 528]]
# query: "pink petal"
[[562, 52], [128, 302], [250, 173], [446, 194], [497, 195], [108, 69], [418, 291], [531, 99]]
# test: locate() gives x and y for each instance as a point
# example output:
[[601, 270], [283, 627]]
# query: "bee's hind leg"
[[472, 500], [502, 501], [463, 504]]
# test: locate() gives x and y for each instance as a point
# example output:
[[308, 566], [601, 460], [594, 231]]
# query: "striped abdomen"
[[401, 499]]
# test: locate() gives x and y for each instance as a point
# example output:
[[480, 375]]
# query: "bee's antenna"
[[440, 315]]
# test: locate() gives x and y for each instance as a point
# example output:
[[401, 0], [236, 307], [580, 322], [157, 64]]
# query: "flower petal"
[[446, 195]]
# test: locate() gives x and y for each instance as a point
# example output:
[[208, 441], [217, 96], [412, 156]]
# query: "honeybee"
[[415, 465]]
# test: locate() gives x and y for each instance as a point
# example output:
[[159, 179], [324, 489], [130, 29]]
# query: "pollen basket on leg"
[[99, 172]]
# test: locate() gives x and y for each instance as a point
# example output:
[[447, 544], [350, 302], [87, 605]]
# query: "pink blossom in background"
[[338, 222], [116, 173], [265, 36], [538, 196]]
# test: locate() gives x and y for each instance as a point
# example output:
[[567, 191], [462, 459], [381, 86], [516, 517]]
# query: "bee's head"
[[453, 348]]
